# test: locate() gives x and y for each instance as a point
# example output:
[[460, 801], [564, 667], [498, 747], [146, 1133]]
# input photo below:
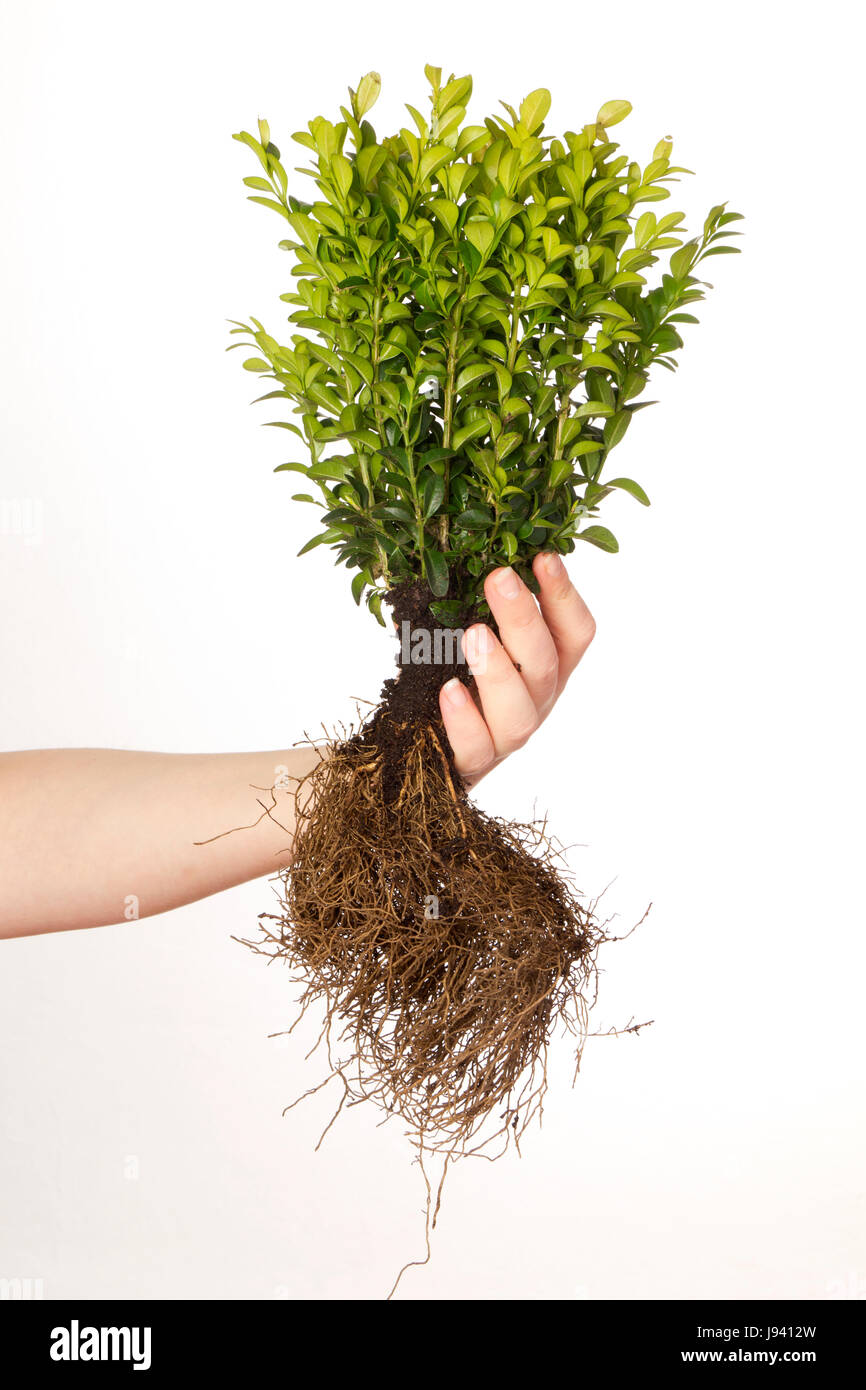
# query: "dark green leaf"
[[447, 611], [436, 570], [615, 428], [628, 485], [600, 536], [474, 517], [434, 492]]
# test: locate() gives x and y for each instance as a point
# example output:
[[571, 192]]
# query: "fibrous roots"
[[446, 946]]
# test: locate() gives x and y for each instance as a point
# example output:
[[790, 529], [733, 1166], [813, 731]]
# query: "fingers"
[[509, 709], [569, 621], [544, 644], [524, 635], [469, 736]]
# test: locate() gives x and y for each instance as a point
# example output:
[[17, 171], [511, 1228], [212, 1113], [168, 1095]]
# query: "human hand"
[[545, 639]]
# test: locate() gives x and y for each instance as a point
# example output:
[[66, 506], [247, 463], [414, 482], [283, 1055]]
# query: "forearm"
[[90, 837]]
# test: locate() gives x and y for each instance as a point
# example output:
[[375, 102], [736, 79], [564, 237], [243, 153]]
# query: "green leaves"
[[612, 113], [628, 485], [471, 374], [341, 172], [560, 469], [436, 572], [534, 109], [473, 311], [615, 428], [469, 432], [448, 611], [600, 536], [434, 494], [681, 260], [481, 235], [305, 229], [475, 518], [367, 94]]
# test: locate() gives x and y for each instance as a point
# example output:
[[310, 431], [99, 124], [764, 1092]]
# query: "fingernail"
[[455, 692], [552, 564], [507, 583], [477, 643]]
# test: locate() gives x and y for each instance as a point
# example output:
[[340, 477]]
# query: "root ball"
[[446, 945]]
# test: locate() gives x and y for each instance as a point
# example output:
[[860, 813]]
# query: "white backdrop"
[[708, 756]]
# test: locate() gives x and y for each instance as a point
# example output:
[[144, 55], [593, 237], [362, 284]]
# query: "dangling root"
[[447, 946], [443, 942]]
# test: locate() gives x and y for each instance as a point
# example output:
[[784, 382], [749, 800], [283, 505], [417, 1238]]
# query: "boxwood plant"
[[477, 309]]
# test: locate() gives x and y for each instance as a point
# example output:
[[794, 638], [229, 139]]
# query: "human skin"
[[91, 837]]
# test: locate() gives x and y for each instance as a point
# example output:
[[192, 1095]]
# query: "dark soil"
[[411, 697]]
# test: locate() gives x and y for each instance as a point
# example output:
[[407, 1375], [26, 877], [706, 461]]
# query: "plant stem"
[[377, 409], [515, 325], [448, 419]]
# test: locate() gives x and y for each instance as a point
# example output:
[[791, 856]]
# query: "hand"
[[520, 678]]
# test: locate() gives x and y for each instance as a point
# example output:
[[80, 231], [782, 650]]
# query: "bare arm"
[[92, 836], [89, 837]]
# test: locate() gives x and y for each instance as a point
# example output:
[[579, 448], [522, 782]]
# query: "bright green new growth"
[[475, 329]]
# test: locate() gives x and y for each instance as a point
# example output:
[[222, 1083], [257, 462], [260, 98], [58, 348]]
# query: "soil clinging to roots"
[[446, 946]]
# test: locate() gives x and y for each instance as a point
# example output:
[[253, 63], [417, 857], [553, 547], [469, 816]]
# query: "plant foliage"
[[474, 328]]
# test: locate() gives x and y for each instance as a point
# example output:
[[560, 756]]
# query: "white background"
[[707, 757]]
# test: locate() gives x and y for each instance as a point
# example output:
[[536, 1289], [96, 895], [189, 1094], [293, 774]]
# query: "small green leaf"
[[470, 257], [269, 203], [600, 536], [628, 485], [473, 431], [615, 427], [613, 112], [481, 235], [447, 212], [471, 374], [448, 611], [374, 603], [324, 538], [560, 469], [600, 359], [368, 92], [534, 109], [341, 172], [306, 229], [681, 260], [436, 570], [474, 517], [434, 491]]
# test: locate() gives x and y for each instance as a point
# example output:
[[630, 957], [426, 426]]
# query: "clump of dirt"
[[411, 698]]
